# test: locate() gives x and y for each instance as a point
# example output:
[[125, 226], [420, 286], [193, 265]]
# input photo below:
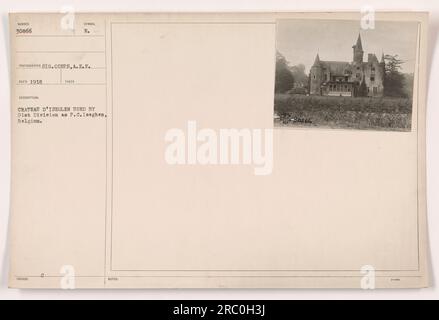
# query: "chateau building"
[[348, 79]]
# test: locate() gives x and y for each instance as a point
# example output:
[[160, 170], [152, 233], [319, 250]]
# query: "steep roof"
[[317, 60], [337, 68], [371, 57]]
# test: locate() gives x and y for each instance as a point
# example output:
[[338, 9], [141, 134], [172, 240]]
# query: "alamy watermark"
[[220, 147], [367, 18], [368, 279], [68, 19]]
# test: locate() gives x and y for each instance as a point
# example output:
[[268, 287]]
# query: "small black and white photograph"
[[335, 74]]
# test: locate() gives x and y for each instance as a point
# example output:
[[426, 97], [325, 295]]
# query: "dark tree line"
[[284, 78], [362, 89]]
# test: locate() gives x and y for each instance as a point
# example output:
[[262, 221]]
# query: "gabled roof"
[[372, 58], [317, 60]]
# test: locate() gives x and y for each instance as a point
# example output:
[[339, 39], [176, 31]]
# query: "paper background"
[[400, 4]]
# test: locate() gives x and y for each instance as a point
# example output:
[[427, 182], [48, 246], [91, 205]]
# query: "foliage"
[[299, 75], [408, 84], [345, 112]]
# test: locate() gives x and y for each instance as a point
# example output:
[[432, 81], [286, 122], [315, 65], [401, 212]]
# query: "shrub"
[[342, 112]]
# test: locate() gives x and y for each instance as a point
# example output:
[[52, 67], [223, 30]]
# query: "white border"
[[230, 6]]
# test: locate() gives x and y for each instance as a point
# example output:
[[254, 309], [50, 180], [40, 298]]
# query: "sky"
[[300, 40]]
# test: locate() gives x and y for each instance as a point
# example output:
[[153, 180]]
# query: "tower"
[[358, 51], [315, 77]]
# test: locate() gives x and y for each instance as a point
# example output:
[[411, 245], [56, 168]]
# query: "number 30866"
[[24, 31]]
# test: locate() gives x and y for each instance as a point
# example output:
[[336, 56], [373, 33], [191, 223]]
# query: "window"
[[358, 76], [372, 78], [314, 77], [326, 77], [372, 69], [375, 90]]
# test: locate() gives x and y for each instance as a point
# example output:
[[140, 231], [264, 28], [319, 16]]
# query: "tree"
[[394, 80], [284, 78], [408, 84], [299, 75]]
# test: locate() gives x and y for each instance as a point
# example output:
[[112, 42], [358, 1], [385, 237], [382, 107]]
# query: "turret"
[[317, 61]]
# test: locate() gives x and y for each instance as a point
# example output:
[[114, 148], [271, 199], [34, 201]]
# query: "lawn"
[[343, 112]]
